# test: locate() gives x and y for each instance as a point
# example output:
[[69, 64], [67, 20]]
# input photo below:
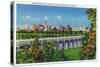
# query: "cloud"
[[26, 17], [30, 18], [45, 18], [59, 17]]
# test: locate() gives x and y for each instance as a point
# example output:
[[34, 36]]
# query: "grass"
[[43, 35], [74, 53]]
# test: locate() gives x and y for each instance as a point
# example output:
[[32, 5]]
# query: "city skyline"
[[55, 16]]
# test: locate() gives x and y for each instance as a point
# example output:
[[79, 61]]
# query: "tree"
[[91, 14], [89, 48], [50, 53], [36, 50]]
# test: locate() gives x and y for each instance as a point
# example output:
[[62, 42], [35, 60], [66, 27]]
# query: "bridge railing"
[[61, 42]]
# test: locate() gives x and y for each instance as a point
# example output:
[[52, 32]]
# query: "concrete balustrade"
[[61, 42]]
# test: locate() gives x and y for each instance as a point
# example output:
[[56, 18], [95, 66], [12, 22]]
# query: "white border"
[[15, 13], [55, 5], [46, 4]]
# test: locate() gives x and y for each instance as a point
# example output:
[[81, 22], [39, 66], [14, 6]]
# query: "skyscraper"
[[45, 25]]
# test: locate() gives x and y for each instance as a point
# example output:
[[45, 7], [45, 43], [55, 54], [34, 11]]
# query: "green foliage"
[[36, 50], [49, 52], [35, 43], [85, 39], [23, 56], [91, 13], [89, 41]]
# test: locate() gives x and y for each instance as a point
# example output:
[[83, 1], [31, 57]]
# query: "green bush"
[[23, 56]]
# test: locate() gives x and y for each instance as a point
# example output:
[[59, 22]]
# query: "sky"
[[55, 16]]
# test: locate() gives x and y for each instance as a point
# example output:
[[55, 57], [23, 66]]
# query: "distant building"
[[45, 26], [24, 27], [80, 29], [61, 28], [37, 27]]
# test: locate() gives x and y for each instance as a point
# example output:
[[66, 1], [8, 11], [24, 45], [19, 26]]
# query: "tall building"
[[45, 25]]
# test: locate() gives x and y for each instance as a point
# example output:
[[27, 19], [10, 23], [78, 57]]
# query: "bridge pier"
[[60, 45], [66, 44]]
